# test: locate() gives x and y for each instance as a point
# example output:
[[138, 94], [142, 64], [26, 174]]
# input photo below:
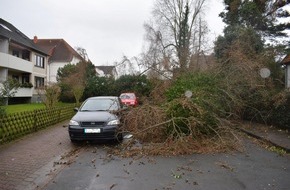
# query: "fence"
[[13, 126]]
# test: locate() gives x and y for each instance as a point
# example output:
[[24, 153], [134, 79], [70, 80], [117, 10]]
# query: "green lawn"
[[27, 107]]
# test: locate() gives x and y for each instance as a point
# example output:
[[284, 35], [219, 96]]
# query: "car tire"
[[74, 141]]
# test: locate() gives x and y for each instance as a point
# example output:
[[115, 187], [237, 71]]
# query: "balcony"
[[24, 92], [12, 62]]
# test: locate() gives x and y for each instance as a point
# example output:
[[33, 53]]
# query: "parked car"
[[129, 99], [96, 119]]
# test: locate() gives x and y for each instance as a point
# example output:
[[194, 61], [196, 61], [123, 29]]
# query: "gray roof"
[[10, 32], [108, 70]]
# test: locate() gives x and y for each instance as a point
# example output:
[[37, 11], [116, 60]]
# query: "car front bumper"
[[105, 133]]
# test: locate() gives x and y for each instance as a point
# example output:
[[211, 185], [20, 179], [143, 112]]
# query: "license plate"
[[92, 130]]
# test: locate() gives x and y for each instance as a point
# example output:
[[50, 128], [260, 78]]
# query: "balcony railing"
[[24, 92], [12, 62]]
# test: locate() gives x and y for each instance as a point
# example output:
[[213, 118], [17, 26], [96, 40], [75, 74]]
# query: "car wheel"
[[74, 141]]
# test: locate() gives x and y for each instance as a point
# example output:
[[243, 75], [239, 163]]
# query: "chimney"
[[35, 39]]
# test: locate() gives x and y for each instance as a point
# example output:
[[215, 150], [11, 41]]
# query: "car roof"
[[104, 97], [128, 93]]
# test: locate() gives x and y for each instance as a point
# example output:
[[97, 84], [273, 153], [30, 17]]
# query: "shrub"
[[133, 83], [189, 118], [205, 88], [51, 92], [197, 114], [2, 111], [280, 114], [26, 85], [2, 108]]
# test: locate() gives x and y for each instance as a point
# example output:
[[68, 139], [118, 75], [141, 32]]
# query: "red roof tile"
[[286, 60], [58, 49]]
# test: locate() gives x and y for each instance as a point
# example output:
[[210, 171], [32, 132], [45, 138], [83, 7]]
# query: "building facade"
[[286, 63], [22, 60], [106, 71], [60, 54]]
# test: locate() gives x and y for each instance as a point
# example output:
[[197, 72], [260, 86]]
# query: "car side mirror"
[[76, 109]]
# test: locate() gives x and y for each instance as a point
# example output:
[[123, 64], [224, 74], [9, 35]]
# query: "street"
[[94, 169], [47, 160]]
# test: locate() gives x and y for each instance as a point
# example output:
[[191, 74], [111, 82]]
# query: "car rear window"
[[127, 96]]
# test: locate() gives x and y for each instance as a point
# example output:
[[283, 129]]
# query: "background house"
[[106, 71], [286, 62], [22, 60], [60, 53]]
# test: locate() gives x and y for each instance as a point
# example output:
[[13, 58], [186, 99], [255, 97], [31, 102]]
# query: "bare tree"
[[128, 66], [49, 94], [83, 53], [175, 35], [77, 81]]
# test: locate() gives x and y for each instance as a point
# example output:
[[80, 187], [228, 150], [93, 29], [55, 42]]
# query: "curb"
[[252, 134]]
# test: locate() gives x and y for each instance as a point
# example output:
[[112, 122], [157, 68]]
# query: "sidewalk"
[[30, 161], [277, 137]]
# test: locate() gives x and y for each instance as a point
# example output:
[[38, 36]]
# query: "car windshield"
[[127, 96], [100, 105]]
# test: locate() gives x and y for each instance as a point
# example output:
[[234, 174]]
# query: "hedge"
[[13, 126]]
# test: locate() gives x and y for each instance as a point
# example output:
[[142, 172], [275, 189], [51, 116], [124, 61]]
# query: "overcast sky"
[[107, 29]]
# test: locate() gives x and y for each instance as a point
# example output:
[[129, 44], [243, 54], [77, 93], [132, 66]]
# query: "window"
[[15, 53], [39, 61], [15, 77], [26, 55], [25, 78], [39, 82]]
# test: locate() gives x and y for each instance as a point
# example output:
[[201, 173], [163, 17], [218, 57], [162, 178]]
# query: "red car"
[[129, 99]]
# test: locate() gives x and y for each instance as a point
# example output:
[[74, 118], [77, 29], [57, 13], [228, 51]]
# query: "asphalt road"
[[91, 168]]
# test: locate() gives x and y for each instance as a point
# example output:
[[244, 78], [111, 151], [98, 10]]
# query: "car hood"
[[94, 116]]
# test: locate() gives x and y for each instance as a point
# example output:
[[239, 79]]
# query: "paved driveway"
[[31, 161]]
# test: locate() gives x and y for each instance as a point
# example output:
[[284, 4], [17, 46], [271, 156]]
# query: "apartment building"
[[23, 60]]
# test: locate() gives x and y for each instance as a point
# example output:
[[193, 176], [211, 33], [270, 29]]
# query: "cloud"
[[107, 29]]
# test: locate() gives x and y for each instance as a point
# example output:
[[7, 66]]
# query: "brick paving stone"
[[26, 163]]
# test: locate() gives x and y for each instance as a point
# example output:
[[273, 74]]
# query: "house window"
[[15, 77], [39, 61], [39, 82], [25, 78], [26, 55], [15, 53]]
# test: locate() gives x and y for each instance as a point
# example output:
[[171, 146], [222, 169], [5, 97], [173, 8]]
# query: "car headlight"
[[72, 122], [114, 122]]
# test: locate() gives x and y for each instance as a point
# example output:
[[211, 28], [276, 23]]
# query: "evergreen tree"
[[261, 15], [253, 22]]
